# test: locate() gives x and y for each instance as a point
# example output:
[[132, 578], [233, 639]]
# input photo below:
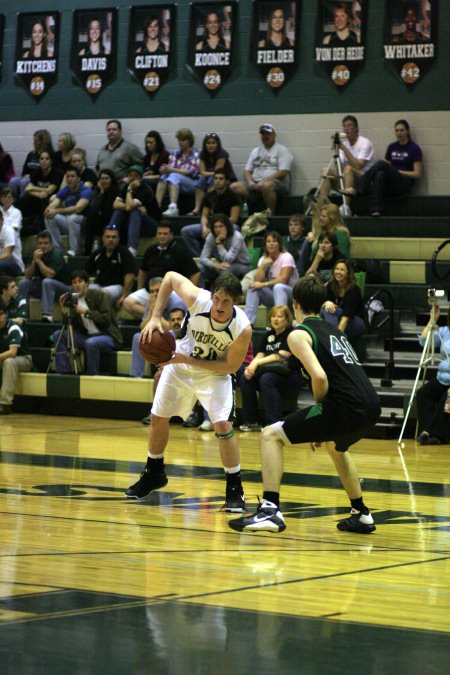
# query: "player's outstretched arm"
[[300, 344]]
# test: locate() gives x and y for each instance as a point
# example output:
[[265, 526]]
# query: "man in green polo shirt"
[[15, 358], [16, 305]]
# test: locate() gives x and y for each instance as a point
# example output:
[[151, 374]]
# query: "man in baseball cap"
[[267, 172]]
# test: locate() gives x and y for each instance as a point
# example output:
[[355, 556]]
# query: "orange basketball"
[[160, 349]]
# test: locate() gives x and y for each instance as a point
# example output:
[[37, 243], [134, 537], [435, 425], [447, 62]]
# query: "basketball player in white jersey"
[[214, 341]]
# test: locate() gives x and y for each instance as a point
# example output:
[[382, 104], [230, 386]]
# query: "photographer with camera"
[[434, 421], [356, 156], [94, 324]]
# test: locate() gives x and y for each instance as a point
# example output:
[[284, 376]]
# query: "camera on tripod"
[[70, 300], [436, 297], [338, 137]]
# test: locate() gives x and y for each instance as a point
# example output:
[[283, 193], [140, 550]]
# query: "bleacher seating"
[[402, 244]]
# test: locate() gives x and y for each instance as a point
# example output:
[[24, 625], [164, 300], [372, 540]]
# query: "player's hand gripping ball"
[[160, 349]]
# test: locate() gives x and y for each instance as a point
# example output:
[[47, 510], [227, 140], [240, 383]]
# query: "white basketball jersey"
[[204, 339]]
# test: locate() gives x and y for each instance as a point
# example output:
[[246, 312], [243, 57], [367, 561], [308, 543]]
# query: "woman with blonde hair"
[[66, 143], [272, 371], [326, 218]]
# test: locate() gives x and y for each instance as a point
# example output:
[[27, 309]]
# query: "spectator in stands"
[[273, 371], [344, 304], [15, 358], [219, 200], [95, 326], [42, 140], [62, 157], [155, 156], [67, 211], [16, 305], [11, 262], [166, 255], [100, 209], [112, 266], [132, 209], [7, 171], [12, 216], [328, 219], [118, 154], [46, 275], [181, 173], [431, 398], [275, 277], [78, 161], [326, 257], [224, 251], [267, 172], [356, 154], [43, 183], [137, 362], [296, 238], [395, 175], [212, 157]]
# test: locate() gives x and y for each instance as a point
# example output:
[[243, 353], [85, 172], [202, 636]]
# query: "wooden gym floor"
[[93, 583]]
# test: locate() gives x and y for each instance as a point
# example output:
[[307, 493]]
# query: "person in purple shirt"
[[67, 212], [396, 174]]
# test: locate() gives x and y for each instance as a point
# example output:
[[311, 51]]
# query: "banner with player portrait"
[[274, 40], [410, 38], [151, 45], [36, 63], [211, 42], [341, 39], [2, 26], [93, 56]]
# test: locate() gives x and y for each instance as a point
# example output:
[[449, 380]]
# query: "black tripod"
[[72, 350], [335, 167]]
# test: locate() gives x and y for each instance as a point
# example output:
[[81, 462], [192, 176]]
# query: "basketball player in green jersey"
[[346, 408]]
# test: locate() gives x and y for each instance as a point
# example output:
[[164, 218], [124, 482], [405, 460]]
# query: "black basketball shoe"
[[234, 498], [267, 518], [357, 522], [146, 484]]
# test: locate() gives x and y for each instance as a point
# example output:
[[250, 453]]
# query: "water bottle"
[[244, 211]]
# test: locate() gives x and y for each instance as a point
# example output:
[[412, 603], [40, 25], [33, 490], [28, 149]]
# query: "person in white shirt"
[[356, 154], [11, 215], [268, 170], [11, 262]]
